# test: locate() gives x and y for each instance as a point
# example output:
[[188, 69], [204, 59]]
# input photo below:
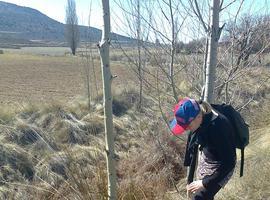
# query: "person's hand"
[[194, 186]]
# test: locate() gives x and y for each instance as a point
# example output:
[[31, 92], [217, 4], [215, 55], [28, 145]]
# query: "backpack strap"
[[242, 162], [192, 167]]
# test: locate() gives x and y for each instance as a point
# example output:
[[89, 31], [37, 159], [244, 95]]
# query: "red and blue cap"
[[184, 113]]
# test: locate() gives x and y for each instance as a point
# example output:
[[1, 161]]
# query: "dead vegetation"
[[56, 150]]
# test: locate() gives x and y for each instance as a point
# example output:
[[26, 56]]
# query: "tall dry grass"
[[56, 151]]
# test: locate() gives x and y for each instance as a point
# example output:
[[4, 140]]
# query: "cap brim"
[[176, 128]]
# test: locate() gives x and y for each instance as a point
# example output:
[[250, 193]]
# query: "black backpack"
[[241, 128]]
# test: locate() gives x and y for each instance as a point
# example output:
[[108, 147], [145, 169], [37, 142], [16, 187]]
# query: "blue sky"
[[56, 10]]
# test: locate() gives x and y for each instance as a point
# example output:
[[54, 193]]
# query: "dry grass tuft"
[[7, 114], [149, 171], [15, 164]]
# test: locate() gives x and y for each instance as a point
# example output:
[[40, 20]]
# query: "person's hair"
[[205, 107]]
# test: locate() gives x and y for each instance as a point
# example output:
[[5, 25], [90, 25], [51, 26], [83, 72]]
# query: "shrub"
[[7, 115], [13, 159]]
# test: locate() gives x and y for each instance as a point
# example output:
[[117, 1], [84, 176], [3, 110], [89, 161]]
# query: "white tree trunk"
[[213, 36], [108, 120]]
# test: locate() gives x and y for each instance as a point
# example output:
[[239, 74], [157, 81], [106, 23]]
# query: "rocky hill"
[[29, 24]]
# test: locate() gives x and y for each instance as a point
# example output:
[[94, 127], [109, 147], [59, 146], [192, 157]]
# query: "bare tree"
[[91, 52], [213, 35], [133, 14], [244, 39], [139, 51], [213, 32], [89, 64], [108, 120], [71, 28], [249, 36], [171, 20]]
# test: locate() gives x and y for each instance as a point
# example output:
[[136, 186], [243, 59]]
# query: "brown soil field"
[[37, 79]]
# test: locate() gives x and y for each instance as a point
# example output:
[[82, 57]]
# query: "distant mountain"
[[29, 24]]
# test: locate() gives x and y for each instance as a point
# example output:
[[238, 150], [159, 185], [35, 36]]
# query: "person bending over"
[[211, 133]]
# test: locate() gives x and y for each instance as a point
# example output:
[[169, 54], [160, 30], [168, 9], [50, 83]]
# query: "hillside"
[[30, 24]]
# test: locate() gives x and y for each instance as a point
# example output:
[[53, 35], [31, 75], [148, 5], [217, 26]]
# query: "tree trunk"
[[88, 79], [213, 35], [71, 27], [205, 60], [139, 51], [94, 72], [172, 54], [107, 100], [73, 51]]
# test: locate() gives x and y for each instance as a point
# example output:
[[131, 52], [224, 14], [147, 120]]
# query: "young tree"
[[165, 25], [89, 63], [213, 35], [172, 50], [133, 20], [107, 80], [213, 32], [71, 28], [139, 51]]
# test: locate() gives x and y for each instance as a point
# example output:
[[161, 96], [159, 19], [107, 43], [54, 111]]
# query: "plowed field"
[[37, 78]]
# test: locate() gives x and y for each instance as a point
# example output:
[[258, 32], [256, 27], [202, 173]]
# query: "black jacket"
[[215, 136]]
